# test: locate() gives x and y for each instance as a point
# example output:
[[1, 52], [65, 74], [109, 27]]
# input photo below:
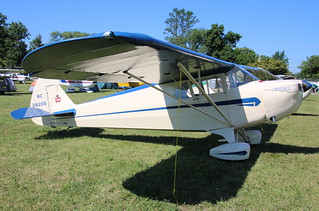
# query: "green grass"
[[115, 169]]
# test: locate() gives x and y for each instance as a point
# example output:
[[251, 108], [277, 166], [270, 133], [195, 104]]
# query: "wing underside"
[[107, 56]]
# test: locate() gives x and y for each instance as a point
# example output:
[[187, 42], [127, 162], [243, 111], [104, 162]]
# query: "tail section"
[[48, 99]]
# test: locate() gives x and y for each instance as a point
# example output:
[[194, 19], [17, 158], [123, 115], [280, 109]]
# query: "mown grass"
[[115, 169]]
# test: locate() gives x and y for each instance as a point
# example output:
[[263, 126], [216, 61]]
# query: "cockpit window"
[[261, 74], [210, 85], [238, 77]]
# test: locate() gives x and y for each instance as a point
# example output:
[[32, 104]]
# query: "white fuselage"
[[144, 107]]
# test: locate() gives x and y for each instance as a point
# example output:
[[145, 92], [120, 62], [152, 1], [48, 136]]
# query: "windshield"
[[237, 77], [261, 74]]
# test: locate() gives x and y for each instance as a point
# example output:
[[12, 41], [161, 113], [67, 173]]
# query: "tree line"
[[179, 30], [217, 43], [13, 37]]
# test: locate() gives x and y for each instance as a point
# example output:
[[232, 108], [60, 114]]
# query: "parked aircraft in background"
[[81, 85], [14, 74], [184, 90], [20, 77]]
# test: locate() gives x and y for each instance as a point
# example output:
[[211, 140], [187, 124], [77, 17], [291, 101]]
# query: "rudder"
[[50, 97]]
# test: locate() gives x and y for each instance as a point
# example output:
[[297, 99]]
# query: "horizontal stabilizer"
[[31, 112]]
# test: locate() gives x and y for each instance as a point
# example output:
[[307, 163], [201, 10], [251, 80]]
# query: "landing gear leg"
[[253, 137], [63, 132]]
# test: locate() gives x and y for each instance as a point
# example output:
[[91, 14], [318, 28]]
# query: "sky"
[[265, 26]]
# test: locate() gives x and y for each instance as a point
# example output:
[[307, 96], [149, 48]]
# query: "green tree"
[[36, 42], [221, 45], [280, 55], [16, 47], [179, 24], [3, 37], [57, 36], [195, 40], [245, 56], [12, 45], [276, 67], [310, 67]]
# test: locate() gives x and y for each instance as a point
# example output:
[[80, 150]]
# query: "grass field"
[[42, 168]]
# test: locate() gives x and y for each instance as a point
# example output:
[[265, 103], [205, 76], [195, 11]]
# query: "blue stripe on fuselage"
[[252, 101]]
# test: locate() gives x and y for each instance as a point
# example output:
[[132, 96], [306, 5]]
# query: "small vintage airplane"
[[183, 90], [14, 74]]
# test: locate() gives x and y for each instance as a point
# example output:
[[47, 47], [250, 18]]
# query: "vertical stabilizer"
[[50, 97]]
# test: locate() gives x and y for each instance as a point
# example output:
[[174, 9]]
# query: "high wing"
[[108, 56]]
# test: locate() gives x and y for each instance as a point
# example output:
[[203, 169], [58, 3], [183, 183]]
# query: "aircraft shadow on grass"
[[199, 177], [15, 94]]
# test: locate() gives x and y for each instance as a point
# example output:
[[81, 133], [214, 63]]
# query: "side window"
[[210, 85], [214, 85]]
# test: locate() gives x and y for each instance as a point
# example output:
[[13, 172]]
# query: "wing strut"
[[192, 79], [177, 99]]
